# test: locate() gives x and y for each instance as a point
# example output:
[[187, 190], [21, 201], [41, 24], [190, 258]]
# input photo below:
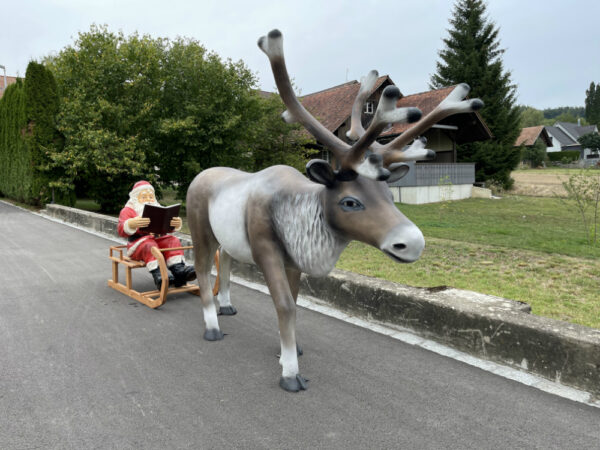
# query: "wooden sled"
[[154, 298]]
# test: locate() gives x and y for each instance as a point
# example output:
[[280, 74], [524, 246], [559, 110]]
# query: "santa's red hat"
[[140, 186]]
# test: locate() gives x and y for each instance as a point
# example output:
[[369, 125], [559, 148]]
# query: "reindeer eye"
[[351, 204]]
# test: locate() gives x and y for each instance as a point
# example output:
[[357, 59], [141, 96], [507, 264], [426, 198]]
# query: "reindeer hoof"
[[293, 384], [227, 311], [213, 335]]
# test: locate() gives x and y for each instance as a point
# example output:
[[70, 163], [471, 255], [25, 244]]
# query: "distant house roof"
[[9, 81], [562, 137], [333, 107], [567, 134], [575, 131], [530, 135]]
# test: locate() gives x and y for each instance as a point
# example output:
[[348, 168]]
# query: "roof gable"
[[530, 135], [560, 136]]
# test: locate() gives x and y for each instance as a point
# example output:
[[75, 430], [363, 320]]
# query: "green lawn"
[[531, 223]]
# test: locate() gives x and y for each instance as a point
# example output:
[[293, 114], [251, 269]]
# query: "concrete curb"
[[485, 326]]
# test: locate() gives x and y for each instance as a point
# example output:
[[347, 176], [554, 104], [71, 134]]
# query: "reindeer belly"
[[227, 216]]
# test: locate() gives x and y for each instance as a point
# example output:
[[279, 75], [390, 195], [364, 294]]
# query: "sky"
[[552, 47]]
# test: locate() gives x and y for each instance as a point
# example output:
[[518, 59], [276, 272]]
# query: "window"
[[369, 108]]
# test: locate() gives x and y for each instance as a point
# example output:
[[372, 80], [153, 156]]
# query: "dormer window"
[[369, 108]]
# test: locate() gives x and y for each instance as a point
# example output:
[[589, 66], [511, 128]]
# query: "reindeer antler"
[[350, 158], [396, 151]]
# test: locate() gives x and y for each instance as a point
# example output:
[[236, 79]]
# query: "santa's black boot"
[[182, 273], [158, 279]]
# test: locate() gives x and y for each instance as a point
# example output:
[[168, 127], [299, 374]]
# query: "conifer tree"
[[472, 54], [592, 104]]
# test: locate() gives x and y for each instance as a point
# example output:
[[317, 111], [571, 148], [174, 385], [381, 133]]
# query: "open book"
[[160, 218]]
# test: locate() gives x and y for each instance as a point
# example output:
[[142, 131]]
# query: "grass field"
[[530, 249]]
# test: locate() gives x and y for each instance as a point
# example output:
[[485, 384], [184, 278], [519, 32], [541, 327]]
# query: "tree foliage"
[[591, 141], [575, 111], [534, 155], [109, 87], [592, 104], [163, 110], [472, 54], [531, 117]]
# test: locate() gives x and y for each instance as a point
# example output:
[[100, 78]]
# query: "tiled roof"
[[333, 106], [9, 81], [529, 135], [425, 101]]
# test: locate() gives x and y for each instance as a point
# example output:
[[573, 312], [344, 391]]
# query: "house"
[[565, 137], [428, 181], [6, 81], [530, 136]]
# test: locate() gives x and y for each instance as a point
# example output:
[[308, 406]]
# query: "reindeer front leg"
[[270, 261]]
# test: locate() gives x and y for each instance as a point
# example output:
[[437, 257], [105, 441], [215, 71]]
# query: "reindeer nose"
[[404, 243]]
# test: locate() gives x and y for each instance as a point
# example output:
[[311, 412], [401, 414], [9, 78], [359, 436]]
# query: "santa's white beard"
[[138, 207]]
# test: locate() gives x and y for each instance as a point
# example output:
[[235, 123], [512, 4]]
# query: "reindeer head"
[[357, 201]]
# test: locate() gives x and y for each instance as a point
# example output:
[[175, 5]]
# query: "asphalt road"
[[84, 367]]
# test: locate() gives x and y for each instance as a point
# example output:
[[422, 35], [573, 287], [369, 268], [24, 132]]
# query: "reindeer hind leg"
[[205, 247], [225, 306]]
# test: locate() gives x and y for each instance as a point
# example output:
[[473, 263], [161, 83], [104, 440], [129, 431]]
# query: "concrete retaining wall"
[[489, 327], [418, 195]]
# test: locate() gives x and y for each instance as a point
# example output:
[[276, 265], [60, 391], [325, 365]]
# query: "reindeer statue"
[[287, 224]]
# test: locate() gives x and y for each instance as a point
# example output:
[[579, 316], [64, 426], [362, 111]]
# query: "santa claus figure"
[[140, 242]]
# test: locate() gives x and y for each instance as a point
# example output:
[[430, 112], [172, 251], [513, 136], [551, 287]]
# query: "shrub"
[[534, 155], [565, 156]]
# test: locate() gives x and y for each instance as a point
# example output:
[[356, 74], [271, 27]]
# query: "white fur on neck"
[[310, 242]]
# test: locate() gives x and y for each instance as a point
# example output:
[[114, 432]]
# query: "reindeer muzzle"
[[404, 243]]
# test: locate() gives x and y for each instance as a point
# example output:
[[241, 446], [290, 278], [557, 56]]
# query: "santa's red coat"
[[140, 243]]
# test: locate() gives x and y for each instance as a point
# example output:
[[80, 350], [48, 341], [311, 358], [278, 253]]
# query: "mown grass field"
[[530, 249]]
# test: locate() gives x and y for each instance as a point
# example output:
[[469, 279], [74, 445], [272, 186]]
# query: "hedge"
[[567, 156], [15, 158], [27, 131]]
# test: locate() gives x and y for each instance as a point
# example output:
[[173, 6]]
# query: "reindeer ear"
[[398, 171], [320, 172]]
